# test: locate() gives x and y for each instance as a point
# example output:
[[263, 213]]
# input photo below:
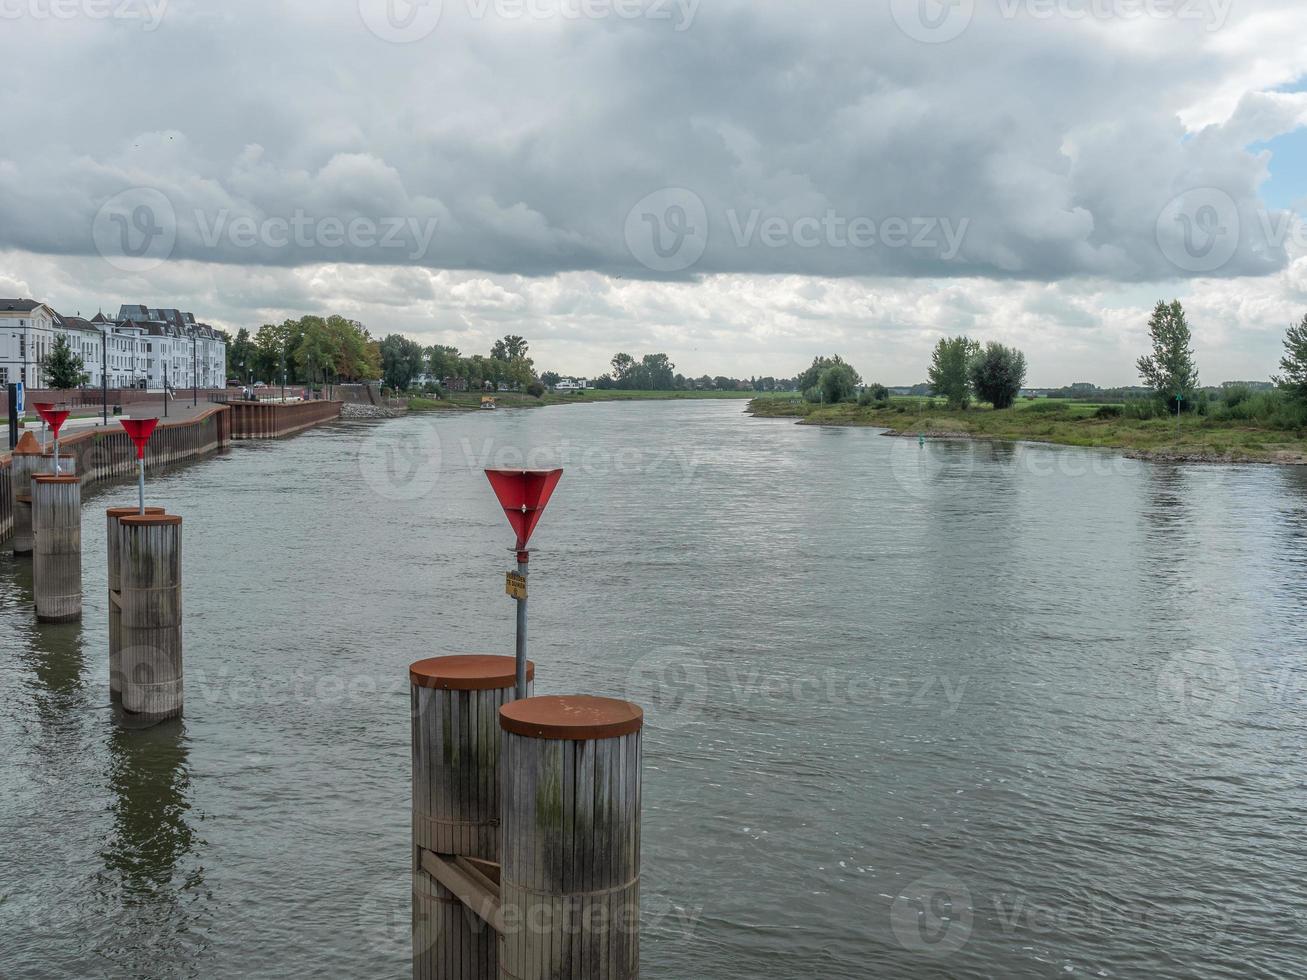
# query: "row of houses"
[[140, 348]]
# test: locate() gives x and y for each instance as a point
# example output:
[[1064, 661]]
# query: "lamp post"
[[165, 389], [195, 374], [104, 376]]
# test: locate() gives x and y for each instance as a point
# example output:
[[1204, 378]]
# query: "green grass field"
[[1062, 423]]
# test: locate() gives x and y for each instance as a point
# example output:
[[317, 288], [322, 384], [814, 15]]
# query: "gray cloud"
[[823, 142]]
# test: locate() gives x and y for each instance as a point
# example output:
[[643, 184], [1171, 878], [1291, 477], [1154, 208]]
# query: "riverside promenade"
[[99, 453]]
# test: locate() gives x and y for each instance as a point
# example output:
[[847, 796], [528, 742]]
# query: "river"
[[962, 710]]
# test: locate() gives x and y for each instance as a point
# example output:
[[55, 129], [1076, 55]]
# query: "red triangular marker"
[[54, 419], [139, 430], [524, 494]]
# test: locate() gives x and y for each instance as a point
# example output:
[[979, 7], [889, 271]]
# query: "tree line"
[[310, 350], [962, 370]]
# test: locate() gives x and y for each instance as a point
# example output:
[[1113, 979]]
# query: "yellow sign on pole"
[[515, 585]]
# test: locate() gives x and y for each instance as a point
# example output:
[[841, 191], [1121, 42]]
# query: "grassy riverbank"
[[464, 400], [1063, 423]]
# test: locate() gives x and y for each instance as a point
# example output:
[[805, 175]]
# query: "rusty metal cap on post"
[[51, 478], [468, 672], [133, 511], [149, 520], [574, 717], [28, 446]]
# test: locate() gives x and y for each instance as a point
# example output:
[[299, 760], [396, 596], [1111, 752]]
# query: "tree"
[[1294, 362], [511, 348], [312, 352], [550, 378], [402, 360], [809, 378], [63, 367], [240, 355], [949, 373], [1169, 370], [444, 362], [838, 383], [623, 365], [997, 374], [657, 373]]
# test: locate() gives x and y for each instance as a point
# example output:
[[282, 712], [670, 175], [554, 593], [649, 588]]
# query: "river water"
[[960, 710]]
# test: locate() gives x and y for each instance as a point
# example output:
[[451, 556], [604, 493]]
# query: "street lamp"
[[195, 374]]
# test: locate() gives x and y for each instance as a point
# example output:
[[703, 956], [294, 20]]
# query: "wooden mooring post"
[[150, 605], [115, 599], [25, 464], [456, 813], [570, 881], [57, 547]]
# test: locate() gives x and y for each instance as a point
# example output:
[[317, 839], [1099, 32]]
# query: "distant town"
[[140, 347]]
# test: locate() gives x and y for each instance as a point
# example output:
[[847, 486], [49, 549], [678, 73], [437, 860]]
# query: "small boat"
[[488, 403]]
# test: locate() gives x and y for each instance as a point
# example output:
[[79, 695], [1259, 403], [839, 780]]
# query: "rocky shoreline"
[[352, 412]]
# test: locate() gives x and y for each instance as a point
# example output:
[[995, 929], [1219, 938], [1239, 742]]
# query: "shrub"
[[1049, 407], [1109, 412], [535, 389]]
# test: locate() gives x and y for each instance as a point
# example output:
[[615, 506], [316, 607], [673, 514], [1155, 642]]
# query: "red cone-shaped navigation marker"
[[55, 419], [139, 431], [524, 494]]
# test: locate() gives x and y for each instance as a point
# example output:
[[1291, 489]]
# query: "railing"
[[274, 420], [108, 454], [96, 398]]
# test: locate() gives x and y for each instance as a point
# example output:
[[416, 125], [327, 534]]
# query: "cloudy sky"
[[740, 183]]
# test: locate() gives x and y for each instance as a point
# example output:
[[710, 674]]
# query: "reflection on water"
[[148, 886]]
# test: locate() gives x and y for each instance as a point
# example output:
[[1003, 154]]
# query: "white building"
[[26, 336], [140, 348]]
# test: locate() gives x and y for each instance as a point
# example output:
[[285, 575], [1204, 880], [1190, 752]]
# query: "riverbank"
[[461, 401], [1199, 440]]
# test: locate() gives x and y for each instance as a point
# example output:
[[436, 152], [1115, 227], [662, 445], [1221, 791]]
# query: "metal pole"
[[140, 484], [13, 416], [522, 558], [165, 389], [104, 376], [195, 375]]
